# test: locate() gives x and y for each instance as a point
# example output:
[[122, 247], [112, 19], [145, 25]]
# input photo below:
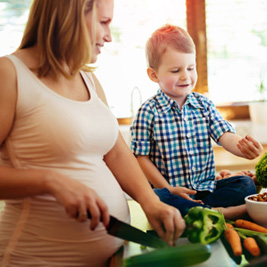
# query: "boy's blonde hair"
[[167, 36], [59, 30]]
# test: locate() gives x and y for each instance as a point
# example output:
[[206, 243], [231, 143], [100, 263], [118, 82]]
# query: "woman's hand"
[[167, 221], [78, 199], [184, 192]]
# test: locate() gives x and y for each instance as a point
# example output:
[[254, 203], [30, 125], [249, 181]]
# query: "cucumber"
[[184, 255]]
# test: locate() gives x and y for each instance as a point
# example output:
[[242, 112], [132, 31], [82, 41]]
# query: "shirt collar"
[[193, 100], [166, 103]]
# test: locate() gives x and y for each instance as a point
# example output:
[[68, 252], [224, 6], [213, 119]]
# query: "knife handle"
[[112, 219], [89, 216]]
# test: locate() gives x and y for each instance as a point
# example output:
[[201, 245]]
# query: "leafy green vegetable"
[[261, 171], [203, 225]]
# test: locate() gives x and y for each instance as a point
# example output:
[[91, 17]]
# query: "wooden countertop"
[[225, 160]]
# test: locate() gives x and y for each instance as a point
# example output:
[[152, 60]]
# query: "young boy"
[[171, 135]]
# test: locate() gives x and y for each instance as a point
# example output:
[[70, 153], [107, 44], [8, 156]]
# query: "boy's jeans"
[[229, 192]]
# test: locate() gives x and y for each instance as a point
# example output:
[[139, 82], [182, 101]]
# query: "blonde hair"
[[59, 30], [167, 36]]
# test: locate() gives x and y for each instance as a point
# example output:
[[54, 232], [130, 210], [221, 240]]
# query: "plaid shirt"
[[179, 142]]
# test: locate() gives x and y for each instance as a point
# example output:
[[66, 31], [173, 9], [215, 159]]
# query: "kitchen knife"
[[127, 232]]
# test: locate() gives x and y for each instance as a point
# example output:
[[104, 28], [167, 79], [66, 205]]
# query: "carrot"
[[250, 226], [233, 238], [251, 246], [229, 225]]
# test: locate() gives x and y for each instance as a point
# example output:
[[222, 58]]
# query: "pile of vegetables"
[[205, 226], [245, 238], [261, 171], [241, 237]]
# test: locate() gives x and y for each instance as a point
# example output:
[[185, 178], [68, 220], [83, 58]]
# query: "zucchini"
[[184, 255]]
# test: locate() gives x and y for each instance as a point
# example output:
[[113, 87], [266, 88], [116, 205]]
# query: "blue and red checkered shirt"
[[179, 142]]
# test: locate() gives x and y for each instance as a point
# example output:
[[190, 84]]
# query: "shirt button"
[[193, 168], [188, 135], [185, 118], [191, 152]]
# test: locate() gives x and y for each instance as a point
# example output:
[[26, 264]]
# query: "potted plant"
[[258, 109]]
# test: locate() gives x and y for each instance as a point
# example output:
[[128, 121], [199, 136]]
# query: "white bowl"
[[257, 211]]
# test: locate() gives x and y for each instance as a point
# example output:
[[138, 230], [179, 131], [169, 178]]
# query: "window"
[[230, 35], [122, 64], [13, 16], [237, 49]]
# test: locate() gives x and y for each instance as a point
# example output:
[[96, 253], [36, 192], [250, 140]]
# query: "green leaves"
[[261, 171]]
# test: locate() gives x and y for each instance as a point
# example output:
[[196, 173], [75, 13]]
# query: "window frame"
[[196, 26]]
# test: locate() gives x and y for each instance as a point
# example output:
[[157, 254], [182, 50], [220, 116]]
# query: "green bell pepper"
[[203, 225]]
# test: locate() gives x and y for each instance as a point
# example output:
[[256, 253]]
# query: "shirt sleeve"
[[218, 126], [141, 131]]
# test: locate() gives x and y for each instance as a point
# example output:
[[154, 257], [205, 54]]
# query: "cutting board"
[[219, 256]]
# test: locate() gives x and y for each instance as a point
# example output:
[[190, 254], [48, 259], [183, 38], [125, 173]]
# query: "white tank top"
[[71, 137]]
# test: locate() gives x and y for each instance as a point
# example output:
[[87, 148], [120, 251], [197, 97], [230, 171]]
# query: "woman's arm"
[[8, 97], [13, 183], [246, 147], [166, 220]]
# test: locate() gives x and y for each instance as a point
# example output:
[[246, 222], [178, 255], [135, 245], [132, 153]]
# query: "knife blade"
[[127, 232]]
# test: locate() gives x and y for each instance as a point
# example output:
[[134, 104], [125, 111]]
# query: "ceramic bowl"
[[257, 211]]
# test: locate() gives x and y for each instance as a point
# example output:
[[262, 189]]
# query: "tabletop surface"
[[219, 255]]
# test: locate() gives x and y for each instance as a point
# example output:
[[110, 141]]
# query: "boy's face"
[[176, 75]]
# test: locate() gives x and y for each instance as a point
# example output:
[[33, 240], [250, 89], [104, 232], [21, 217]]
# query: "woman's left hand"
[[166, 220]]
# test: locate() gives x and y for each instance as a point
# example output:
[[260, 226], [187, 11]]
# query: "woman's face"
[[104, 16]]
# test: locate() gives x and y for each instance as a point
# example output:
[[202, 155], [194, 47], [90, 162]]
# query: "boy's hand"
[[184, 192], [249, 147]]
